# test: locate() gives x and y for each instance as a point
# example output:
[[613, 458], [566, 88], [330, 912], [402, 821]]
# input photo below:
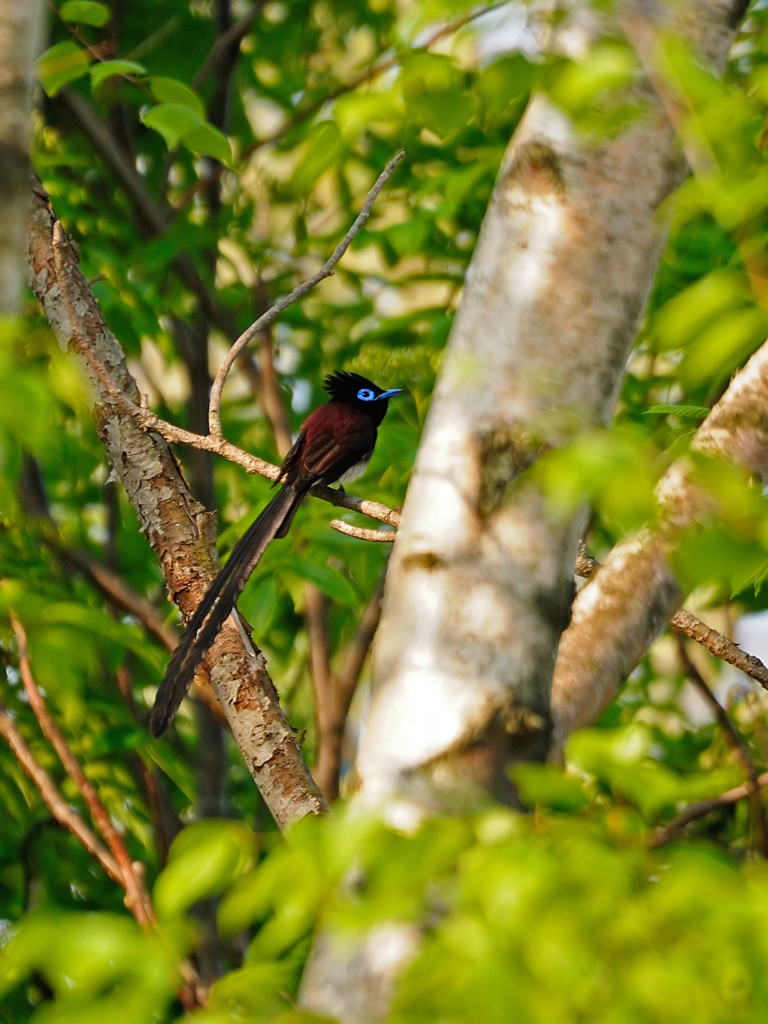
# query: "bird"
[[334, 445]]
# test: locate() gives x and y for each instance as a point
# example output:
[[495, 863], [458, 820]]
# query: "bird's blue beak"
[[389, 394]]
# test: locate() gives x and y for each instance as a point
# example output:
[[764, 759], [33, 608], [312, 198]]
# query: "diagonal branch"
[[734, 741], [666, 833], [58, 807], [136, 897]]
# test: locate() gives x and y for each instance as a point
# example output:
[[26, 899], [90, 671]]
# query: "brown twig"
[[53, 800], [667, 832], [116, 590], [734, 741], [720, 646], [361, 533], [136, 897], [214, 421], [333, 712], [684, 622]]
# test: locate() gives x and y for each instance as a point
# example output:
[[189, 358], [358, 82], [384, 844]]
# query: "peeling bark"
[[21, 33]]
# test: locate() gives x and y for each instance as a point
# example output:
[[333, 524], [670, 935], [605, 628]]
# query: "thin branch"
[[684, 622], [361, 533], [136, 899], [298, 292], [359, 647], [115, 589], [333, 713], [668, 832], [53, 800], [271, 398], [734, 741], [720, 646]]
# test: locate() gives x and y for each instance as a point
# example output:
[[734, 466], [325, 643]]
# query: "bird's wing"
[[337, 440]]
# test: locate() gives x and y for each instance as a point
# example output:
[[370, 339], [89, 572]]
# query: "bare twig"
[[214, 421], [136, 899], [332, 711], [382, 536], [667, 832], [734, 741], [720, 646], [685, 622], [53, 800]]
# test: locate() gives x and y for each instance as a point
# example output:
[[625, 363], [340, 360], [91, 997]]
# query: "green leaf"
[[108, 68], [259, 602], [357, 112], [85, 12], [329, 580], [203, 861], [256, 991], [171, 90], [324, 150], [685, 412], [209, 141], [61, 64], [577, 85], [504, 85], [173, 121], [180, 125], [546, 785], [434, 94]]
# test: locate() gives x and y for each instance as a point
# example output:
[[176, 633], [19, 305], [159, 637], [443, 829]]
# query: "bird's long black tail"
[[218, 603]]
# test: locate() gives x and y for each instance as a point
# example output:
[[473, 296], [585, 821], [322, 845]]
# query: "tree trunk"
[[21, 30], [480, 582]]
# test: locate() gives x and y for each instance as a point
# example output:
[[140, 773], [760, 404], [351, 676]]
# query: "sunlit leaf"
[[180, 124], [61, 64], [172, 91], [323, 150], [204, 860], [85, 12], [109, 68]]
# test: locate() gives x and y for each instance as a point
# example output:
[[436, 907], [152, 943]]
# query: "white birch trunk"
[[481, 576], [21, 30]]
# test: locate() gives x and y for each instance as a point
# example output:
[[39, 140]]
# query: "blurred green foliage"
[[564, 914]]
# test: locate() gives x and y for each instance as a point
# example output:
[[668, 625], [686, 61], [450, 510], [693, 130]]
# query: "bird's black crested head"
[[344, 386]]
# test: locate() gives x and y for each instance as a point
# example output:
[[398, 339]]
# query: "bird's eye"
[[365, 395]]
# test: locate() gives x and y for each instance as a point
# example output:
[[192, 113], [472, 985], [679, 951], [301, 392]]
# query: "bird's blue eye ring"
[[366, 395]]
